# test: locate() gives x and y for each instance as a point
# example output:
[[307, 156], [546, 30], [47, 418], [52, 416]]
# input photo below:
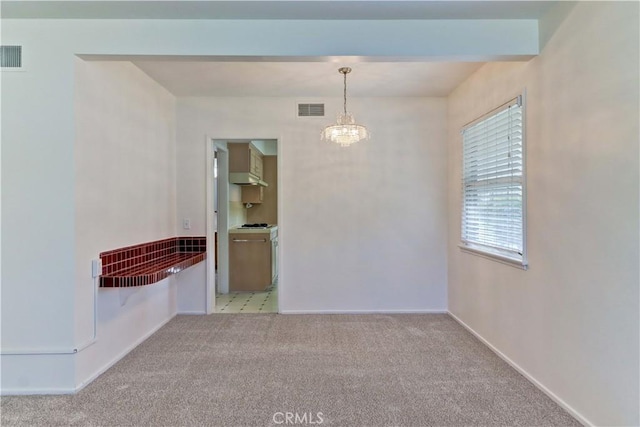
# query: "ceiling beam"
[[268, 9]]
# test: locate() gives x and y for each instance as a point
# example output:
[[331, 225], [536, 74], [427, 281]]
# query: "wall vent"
[[11, 57], [310, 110]]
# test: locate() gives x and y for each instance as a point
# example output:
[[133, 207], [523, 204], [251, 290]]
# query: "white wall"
[[125, 195], [38, 214], [361, 228], [570, 321], [192, 289]]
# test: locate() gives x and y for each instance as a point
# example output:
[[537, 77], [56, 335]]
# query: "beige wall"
[[570, 321], [237, 211]]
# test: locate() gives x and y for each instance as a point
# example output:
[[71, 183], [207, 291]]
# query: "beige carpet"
[[356, 370]]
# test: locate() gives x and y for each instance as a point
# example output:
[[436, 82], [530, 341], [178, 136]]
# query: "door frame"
[[213, 145], [219, 191]]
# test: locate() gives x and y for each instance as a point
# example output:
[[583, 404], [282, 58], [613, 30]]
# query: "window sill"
[[517, 263]]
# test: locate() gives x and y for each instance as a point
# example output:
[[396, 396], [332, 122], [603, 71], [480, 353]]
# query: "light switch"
[[186, 224]]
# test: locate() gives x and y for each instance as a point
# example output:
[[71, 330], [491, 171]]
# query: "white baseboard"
[[40, 391], [189, 313], [528, 376], [120, 355], [425, 311]]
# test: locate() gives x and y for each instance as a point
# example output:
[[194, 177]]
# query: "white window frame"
[[476, 248]]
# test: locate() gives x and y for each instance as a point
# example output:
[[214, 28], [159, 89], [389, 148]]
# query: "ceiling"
[[271, 77], [307, 79], [269, 9]]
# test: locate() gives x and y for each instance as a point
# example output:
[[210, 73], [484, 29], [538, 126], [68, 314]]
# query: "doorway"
[[243, 226]]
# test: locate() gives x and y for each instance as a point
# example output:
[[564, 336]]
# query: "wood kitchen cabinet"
[[250, 261], [252, 194], [267, 210], [256, 162], [244, 157]]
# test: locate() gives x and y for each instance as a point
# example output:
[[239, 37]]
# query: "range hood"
[[246, 178]]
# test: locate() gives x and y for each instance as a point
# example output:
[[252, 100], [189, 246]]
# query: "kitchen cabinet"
[[267, 210], [252, 194], [255, 164], [253, 259], [244, 157], [249, 261]]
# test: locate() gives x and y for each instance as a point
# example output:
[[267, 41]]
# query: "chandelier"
[[346, 131]]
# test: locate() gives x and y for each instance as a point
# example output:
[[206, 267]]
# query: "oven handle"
[[249, 240]]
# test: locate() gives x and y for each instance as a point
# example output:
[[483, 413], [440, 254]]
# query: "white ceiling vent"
[[11, 57], [310, 110]]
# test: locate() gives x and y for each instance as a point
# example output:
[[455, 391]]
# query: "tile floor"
[[248, 302]]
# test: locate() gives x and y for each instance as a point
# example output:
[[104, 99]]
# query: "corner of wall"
[[552, 19]]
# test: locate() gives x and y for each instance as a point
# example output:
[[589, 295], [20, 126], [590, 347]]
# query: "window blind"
[[493, 183]]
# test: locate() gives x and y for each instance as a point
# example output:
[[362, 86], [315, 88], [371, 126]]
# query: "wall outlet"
[[96, 267], [186, 224]]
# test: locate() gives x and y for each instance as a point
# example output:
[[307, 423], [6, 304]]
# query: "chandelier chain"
[[345, 93]]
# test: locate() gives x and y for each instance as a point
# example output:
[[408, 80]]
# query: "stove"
[[256, 225]]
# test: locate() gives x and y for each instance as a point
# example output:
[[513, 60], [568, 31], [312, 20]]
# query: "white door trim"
[[222, 221]]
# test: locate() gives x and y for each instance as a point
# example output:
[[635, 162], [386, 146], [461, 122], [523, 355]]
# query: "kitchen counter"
[[253, 230]]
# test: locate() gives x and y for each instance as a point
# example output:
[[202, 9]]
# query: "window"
[[493, 202]]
